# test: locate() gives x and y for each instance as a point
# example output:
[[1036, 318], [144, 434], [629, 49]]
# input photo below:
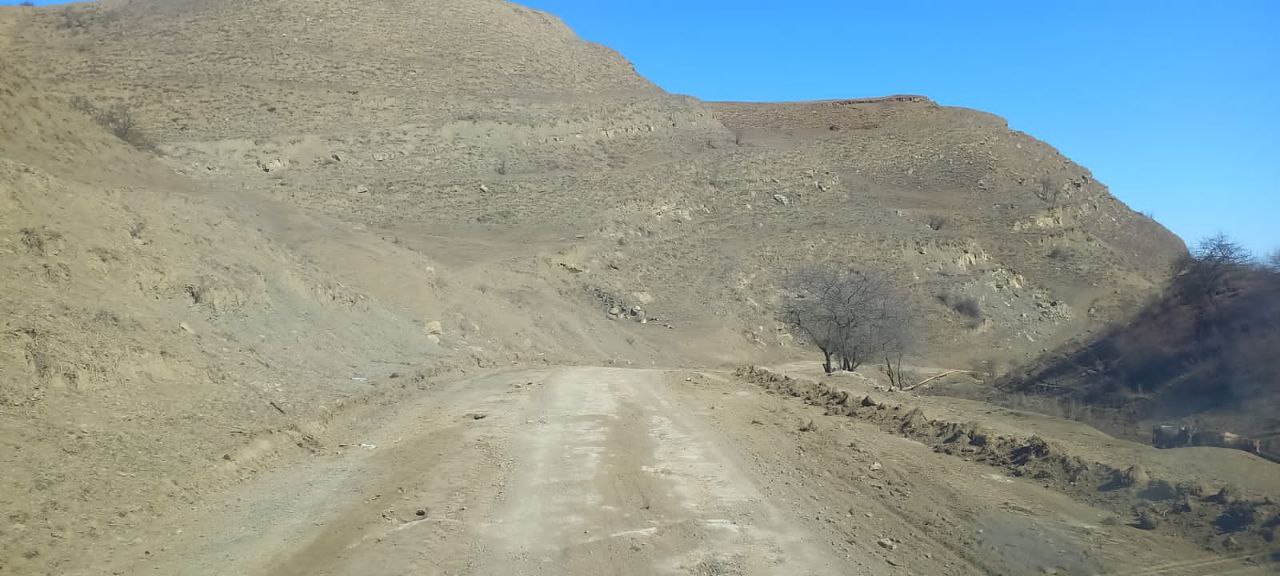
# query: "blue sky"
[[1174, 104]]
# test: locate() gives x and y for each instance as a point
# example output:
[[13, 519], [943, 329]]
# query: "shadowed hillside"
[[1203, 355]]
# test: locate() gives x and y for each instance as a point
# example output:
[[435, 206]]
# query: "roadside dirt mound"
[[1220, 517]]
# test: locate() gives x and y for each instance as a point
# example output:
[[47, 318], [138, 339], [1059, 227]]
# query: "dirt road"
[[618, 471]]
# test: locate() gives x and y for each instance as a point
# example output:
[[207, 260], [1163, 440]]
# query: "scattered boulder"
[[887, 544], [272, 165], [783, 200], [433, 327]]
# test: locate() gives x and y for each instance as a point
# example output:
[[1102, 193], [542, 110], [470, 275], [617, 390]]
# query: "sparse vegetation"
[[851, 316], [964, 305], [117, 118], [82, 16], [197, 293], [38, 241], [32, 240], [1048, 189]]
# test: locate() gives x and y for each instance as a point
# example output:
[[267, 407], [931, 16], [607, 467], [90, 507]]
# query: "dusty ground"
[[631, 471]]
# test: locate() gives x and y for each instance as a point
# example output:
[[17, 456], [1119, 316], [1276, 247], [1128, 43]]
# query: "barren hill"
[[239, 234], [485, 119]]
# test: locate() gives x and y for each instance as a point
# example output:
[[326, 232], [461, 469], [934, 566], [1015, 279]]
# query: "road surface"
[[585, 471]]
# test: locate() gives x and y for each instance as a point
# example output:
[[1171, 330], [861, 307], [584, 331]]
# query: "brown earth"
[[632, 471], [241, 239]]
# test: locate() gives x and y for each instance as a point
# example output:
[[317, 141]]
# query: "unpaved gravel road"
[[617, 471]]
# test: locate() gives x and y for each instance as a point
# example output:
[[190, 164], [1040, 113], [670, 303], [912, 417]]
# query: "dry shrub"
[[965, 305], [40, 241], [118, 119]]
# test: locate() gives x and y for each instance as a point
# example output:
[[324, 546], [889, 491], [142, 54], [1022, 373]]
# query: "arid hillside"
[[486, 120], [238, 235]]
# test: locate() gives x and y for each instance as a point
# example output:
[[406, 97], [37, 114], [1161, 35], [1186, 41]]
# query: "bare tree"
[[813, 309], [894, 336], [1220, 249], [1211, 268], [1272, 261], [1047, 189], [117, 119], [851, 316]]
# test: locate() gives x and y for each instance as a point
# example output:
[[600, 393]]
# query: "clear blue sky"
[[1174, 104]]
